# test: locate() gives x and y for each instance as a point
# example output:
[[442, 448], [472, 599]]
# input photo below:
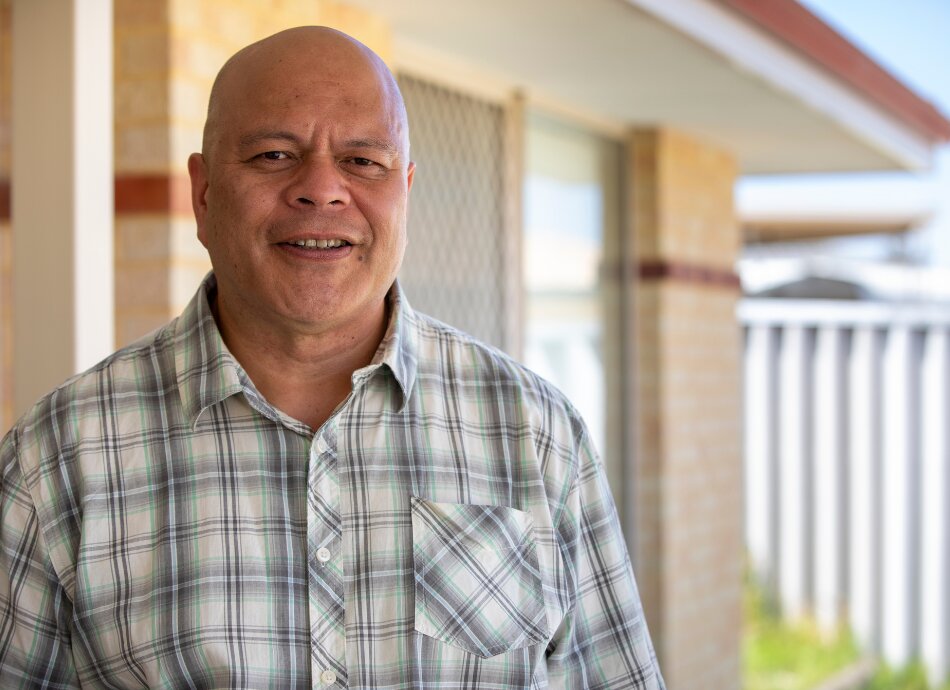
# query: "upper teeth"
[[320, 244]]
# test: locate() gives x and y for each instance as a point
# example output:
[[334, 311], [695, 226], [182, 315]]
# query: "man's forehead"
[[307, 56], [341, 111], [298, 84]]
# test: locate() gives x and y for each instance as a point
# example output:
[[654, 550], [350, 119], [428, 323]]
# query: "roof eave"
[[799, 28]]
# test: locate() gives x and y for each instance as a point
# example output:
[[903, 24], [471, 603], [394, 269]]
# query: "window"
[[573, 331]]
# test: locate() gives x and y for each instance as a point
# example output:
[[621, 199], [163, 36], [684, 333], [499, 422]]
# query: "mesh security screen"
[[453, 268]]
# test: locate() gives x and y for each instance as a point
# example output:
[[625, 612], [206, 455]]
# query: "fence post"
[[935, 507], [898, 499], [794, 496], [761, 506], [828, 468], [864, 431]]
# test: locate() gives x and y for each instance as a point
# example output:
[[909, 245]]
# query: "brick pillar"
[[167, 53], [6, 245], [687, 464]]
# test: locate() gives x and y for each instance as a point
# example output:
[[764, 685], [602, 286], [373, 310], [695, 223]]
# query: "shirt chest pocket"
[[477, 582]]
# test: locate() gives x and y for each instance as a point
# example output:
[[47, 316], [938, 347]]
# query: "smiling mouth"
[[318, 244]]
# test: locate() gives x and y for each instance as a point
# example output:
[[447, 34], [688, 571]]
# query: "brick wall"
[[167, 53], [6, 249], [688, 462]]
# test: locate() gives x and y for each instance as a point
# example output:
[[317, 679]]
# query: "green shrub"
[[778, 656], [912, 677]]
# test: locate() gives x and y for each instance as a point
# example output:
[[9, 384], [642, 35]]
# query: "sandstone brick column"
[[167, 53], [686, 483], [6, 245]]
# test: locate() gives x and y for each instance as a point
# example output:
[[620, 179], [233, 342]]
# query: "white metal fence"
[[847, 416]]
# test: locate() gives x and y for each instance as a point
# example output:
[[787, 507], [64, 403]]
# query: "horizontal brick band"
[[134, 194], [687, 273], [4, 200], [153, 194]]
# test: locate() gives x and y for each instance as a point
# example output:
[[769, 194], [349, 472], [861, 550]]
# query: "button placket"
[[325, 577]]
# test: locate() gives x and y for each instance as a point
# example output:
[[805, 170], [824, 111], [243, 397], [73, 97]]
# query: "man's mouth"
[[318, 244]]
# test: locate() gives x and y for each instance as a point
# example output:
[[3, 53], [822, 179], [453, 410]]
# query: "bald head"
[[307, 57]]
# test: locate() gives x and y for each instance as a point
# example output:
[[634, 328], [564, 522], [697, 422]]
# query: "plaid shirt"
[[164, 526]]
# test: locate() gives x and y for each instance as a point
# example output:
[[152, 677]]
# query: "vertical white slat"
[[760, 432], [899, 563], [827, 473], [794, 508], [935, 506], [864, 446]]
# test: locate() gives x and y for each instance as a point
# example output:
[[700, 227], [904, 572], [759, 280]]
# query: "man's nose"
[[318, 182]]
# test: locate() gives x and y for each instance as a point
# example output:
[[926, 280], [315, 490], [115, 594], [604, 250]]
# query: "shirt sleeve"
[[35, 613], [603, 641]]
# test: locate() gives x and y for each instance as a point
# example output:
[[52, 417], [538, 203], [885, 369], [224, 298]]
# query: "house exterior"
[[573, 206]]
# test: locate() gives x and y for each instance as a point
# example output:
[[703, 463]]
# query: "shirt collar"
[[398, 350], [208, 373]]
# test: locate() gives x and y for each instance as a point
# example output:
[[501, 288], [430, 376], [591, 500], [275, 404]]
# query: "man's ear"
[[410, 174], [198, 172]]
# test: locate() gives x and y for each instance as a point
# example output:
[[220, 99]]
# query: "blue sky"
[[910, 38]]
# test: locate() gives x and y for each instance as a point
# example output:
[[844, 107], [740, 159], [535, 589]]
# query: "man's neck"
[[305, 375]]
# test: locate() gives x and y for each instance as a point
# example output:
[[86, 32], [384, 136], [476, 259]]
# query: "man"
[[300, 482]]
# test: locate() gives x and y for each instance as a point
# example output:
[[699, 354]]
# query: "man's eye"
[[363, 161], [274, 155]]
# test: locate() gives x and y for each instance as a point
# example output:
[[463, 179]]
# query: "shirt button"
[[328, 677], [323, 555]]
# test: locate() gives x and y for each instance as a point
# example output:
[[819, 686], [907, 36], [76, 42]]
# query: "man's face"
[[301, 196]]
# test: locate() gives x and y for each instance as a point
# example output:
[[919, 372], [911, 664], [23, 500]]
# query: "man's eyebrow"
[[378, 144], [269, 135], [253, 138]]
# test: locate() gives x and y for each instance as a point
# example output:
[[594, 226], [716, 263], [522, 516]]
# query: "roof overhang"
[[809, 226], [816, 207], [708, 67]]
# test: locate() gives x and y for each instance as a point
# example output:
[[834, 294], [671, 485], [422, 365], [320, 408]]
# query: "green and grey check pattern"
[[478, 583], [163, 526]]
